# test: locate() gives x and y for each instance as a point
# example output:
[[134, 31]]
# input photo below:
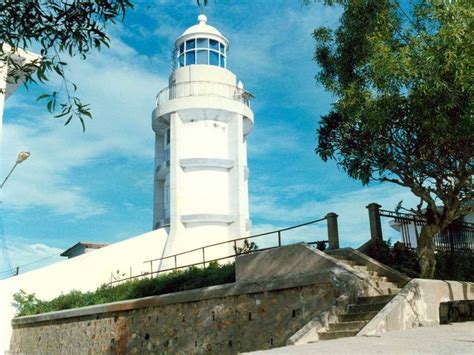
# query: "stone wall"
[[417, 304], [456, 311], [85, 272], [221, 319]]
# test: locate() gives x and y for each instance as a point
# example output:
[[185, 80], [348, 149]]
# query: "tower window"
[[167, 137], [223, 63], [202, 43], [213, 58], [190, 44], [213, 44], [202, 51], [202, 57], [190, 58]]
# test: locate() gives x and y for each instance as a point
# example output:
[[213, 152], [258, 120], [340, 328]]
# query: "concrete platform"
[[457, 338]]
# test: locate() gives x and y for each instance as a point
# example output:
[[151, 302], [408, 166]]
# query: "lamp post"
[[22, 156]]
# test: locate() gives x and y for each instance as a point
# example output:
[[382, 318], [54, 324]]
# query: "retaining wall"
[[259, 311], [417, 304], [85, 272], [220, 319]]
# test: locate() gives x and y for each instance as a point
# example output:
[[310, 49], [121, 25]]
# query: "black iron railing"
[[458, 236], [155, 265]]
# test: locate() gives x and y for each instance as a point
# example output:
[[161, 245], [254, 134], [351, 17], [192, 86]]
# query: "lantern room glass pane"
[[221, 48], [190, 44], [222, 61], [190, 58], [213, 44], [202, 57], [181, 60], [181, 48], [202, 43], [213, 58]]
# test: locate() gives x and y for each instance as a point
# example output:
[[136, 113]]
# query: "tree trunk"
[[425, 250]]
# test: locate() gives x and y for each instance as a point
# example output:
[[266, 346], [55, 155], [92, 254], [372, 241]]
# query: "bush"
[[214, 274], [457, 266]]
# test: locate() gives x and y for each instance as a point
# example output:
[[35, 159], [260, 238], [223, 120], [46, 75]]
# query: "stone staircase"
[[358, 314]]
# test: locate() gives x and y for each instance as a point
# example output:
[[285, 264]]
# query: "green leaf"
[[42, 96]]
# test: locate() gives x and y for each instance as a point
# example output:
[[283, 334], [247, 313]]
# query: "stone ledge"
[[207, 218], [203, 163], [220, 291]]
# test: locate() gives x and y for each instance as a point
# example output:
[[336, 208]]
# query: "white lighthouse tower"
[[201, 121]]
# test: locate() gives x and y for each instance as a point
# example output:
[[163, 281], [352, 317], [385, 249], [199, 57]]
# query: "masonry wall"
[[85, 272], [222, 319]]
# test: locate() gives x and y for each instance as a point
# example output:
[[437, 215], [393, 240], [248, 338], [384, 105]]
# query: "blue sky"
[[97, 186]]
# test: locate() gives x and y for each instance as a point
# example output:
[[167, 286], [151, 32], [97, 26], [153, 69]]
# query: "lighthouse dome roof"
[[201, 29], [201, 44]]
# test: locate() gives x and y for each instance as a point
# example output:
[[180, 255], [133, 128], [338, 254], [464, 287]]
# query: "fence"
[[458, 236], [203, 88], [155, 265]]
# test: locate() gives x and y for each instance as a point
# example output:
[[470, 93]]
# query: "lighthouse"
[[201, 123]]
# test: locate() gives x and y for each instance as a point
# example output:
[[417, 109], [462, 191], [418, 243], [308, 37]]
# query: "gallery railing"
[[203, 88], [155, 265]]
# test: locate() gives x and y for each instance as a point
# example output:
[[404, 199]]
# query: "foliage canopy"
[[403, 75], [59, 29]]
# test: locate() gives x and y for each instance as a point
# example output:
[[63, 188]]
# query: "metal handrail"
[[204, 261], [203, 88], [239, 239]]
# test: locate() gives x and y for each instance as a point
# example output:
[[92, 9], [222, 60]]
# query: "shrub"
[[457, 266], [213, 274], [246, 248]]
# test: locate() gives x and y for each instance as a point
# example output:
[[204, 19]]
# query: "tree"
[[403, 77], [59, 29]]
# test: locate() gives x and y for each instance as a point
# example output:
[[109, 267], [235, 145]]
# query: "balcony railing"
[[203, 88]]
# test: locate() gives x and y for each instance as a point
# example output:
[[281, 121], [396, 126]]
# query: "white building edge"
[[201, 177], [8, 82]]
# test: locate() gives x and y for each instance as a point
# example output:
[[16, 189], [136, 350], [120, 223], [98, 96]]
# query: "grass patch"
[[214, 274]]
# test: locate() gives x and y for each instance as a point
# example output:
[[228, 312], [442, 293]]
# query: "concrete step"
[[362, 268], [374, 299], [378, 278], [368, 307], [340, 257], [337, 334], [384, 285], [351, 317], [390, 291], [373, 273], [348, 262], [352, 326]]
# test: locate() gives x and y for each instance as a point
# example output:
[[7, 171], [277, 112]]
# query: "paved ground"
[[449, 339]]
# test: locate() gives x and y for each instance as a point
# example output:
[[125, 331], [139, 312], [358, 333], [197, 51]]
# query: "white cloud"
[[273, 140], [271, 206], [121, 92], [28, 256]]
